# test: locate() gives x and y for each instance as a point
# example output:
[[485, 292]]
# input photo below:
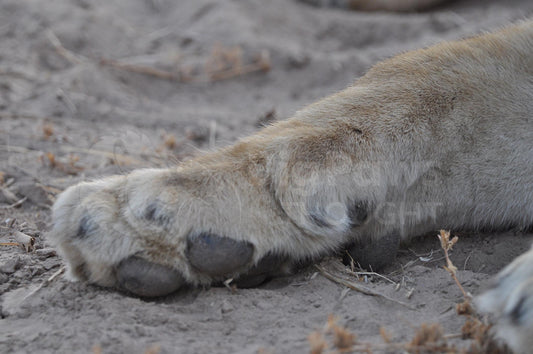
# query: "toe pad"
[[147, 279], [218, 256]]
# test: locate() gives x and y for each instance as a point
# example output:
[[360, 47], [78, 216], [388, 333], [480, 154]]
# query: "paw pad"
[[147, 279], [218, 256]]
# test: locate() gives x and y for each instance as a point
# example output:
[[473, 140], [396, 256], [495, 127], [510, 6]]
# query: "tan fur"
[[435, 138]]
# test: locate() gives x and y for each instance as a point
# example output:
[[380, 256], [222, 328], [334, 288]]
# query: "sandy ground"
[[77, 101]]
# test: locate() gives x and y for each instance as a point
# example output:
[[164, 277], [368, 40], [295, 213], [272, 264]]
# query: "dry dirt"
[[92, 88]]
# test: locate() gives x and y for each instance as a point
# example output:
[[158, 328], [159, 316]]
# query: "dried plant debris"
[[338, 337], [446, 244], [317, 343], [18, 236], [48, 131], [169, 140], [7, 196], [428, 338], [357, 285], [153, 349], [343, 340], [223, 63], [67, 165]]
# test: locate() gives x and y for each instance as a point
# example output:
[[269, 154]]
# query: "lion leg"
[[421, 142], [246, 212]]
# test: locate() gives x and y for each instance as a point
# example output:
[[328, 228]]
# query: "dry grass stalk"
[[119, 159], [61, 50], [8, 196], [222, 64], [49, 189], [48, 131], [154, 349], [359, 288], [475, 328], [68, 167], [446, 243], [317, 342], [170, 141], [364, 273], [116, 157], [261, 63], [343, 340], [264, 351], [10, 244], [44, 283], [141, 69], [386, 336], [14, 205], [428, 335]]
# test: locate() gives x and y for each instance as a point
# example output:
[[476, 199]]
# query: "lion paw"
[[149, 234], [510, 300]]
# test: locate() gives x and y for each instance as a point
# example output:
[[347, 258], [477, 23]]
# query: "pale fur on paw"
[[510, 300]]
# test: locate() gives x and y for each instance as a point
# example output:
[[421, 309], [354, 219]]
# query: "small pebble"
[[226, 306], [262, 305], [3, 278], [45, 252], [9, 266], [51, 263]]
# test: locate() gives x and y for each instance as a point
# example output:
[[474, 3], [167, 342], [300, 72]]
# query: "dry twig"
[[220, 66], [61, 50], [14, 205], [8, 196], [9, 244], [358, 274], [119, 158], [44, 283], [141, 69], [360, 288]]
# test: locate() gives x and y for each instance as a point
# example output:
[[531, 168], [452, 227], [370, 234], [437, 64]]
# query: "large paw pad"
[[218, 256], [147, 279]]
